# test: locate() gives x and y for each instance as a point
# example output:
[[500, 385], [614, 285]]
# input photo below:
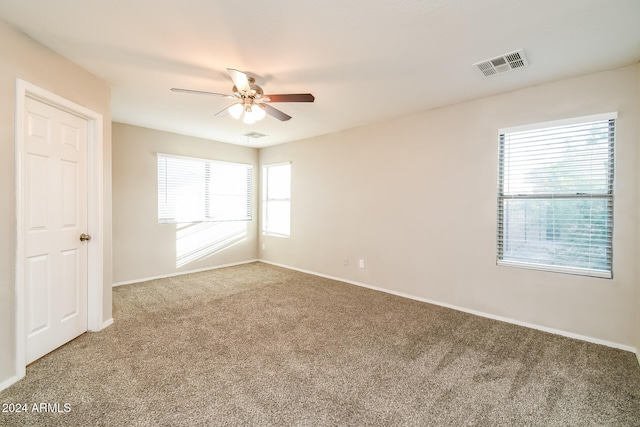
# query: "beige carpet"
[[261, 345]]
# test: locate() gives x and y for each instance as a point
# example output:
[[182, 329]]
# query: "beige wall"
[[142, 247], [21, 57], [416, 198]]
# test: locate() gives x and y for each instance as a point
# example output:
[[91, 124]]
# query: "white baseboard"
[[106, 323], [102, 325], [181, 273], [10, 381], [467, 310]]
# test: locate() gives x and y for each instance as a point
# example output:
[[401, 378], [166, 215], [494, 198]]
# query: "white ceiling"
[[364, 60]]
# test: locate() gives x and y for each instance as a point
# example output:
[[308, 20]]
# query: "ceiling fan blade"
[[240, 80], [276, 113], [291, 97], [197, 92]]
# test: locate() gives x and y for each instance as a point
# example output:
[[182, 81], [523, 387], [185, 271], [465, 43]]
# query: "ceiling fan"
[[251, 103]]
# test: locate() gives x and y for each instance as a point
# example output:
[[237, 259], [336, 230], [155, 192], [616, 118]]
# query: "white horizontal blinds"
[[196, 190], [555, 197], [229, 192], [276, 217], [181, 189]]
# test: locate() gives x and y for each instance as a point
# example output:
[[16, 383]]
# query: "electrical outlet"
[[361, 262]]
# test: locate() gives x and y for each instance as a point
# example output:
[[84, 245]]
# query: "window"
[[197, 190], [276, 194], [555, 196]]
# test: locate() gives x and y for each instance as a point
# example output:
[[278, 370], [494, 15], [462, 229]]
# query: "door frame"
[[95, 217]]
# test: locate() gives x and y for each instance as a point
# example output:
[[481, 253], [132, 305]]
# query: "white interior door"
[[55, 195]]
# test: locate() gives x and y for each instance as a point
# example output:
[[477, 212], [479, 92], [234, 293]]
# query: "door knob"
[[84, 237]]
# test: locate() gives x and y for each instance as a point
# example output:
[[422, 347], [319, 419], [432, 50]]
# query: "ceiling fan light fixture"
[[249, 117], [253, 113], [236, 111]]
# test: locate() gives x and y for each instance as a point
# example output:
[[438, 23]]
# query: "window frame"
[[266, 200], [209, 197], [611, 118]]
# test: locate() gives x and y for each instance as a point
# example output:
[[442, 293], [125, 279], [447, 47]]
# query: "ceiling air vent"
[[255, 135], [503, 63]]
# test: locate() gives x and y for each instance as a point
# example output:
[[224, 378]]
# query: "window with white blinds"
[[555, 196], [276, 199], [196, 190]]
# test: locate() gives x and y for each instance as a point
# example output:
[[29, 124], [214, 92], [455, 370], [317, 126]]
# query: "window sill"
[[602, 274], [285, 236]]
